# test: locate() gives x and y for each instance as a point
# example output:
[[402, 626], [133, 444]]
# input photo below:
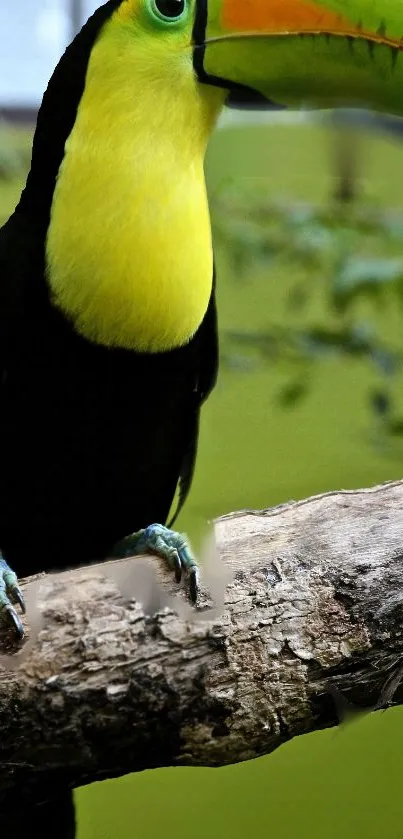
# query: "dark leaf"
[[380, 402], [292, 393]]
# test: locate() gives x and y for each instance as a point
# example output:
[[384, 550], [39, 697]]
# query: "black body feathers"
[[93, 441]]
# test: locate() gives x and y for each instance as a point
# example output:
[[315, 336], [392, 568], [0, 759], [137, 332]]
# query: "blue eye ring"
[[170, 12]]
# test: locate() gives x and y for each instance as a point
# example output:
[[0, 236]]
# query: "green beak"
[[303, 52]]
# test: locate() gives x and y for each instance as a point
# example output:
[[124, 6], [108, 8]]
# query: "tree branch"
[[312, 614]]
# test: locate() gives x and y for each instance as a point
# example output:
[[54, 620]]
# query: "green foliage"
[[13, 160], [15, 155], [349, 258]]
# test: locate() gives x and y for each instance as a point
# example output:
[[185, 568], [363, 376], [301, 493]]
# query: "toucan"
[[108, 323]]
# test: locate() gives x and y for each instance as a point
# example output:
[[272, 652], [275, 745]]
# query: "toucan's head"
[[180, 60], [321, 53]]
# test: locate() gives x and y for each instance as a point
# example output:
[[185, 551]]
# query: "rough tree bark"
[[314, 603]]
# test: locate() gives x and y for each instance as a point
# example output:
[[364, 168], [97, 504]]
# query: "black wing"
[[207, 370], [14, 258]]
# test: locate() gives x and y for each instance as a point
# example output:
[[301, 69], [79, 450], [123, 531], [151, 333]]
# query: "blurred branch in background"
[[348, 125], [346, 143], [77, 16]]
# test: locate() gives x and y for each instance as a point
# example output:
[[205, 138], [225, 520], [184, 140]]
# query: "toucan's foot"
[[10, 594], [172, 546]]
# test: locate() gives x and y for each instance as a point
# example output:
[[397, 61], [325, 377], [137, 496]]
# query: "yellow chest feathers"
[[129, 255]]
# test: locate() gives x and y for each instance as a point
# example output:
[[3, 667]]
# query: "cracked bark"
[[314, 604]]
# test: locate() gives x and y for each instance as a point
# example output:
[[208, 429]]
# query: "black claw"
[[16, 594], [14, 619], [177, 567], [194, 583]]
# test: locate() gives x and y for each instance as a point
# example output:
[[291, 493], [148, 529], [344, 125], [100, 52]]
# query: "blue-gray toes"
[[10, 594], [169, 545]]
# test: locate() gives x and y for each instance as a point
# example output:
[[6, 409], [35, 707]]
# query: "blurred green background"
[[259, 448]]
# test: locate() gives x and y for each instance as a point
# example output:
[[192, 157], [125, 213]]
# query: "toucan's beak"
[[303, 52]]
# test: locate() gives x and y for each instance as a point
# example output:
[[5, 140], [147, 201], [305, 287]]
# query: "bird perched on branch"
[[108, 330]]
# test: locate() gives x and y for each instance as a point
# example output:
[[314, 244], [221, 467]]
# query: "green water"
[[338, 783]]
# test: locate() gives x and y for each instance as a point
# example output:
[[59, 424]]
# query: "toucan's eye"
[[169, 10]]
